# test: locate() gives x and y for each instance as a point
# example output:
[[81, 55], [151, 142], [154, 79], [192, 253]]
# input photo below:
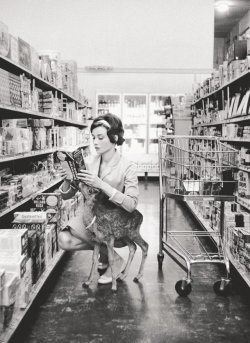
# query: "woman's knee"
[[64, 240]]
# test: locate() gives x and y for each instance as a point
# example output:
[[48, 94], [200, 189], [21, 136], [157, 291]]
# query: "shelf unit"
[[23, 201], [19, 314], [11, 112], [203, 222], [8, 65], [223, 99], [17, 112]]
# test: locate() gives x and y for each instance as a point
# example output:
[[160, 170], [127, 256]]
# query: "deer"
[[106, 222]]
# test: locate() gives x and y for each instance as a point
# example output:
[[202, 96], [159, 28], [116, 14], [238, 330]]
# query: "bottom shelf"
[[203, 222], [239, 267], [19, 314]]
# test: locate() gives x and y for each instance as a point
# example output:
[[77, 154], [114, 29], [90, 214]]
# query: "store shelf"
[[203, 222], [247, 73], [19, 203], [244, 202], [239, 267], [11, 66], [31, 154], [226, 121], [19, 314], [238, 140], [244, 169], [208, 124], [10, 111]]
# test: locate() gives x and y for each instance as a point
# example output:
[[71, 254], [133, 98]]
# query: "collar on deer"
[[92, 222]]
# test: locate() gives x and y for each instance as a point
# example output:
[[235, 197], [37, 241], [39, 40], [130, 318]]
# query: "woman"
[[113, 175]]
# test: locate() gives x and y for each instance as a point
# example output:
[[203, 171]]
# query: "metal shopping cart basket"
[[195, 168]]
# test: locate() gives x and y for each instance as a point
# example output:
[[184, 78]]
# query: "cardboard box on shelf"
[[15, 241], [25, 287], [13, 263], [34, 58], [10, 289], [237, 50], [30, 220], [13, 50], [24, 54], [4, 39]]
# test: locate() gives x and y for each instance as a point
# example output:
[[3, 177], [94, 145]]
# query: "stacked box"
[[15, 90], [13, 50], [15, 241], [10, 289], [13, 263], [54, 234], [48, 244], [51, 203], [30, 220], [20, 122], [33, 254], [4, 39], [16, 140], [4, 197], [2, 282], [244, 237], [244, 184], [25, 288], [41, 245], [4, 88], [26, 92], [34, 58], [24, 54]]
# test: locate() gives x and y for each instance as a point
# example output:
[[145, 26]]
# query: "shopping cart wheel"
[[222, 287], [183, 287], [160, 258]]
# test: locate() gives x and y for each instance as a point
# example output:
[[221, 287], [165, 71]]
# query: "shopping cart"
[[195, 168]]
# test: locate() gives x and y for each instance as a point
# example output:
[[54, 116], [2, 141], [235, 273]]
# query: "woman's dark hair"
[[114, 127]]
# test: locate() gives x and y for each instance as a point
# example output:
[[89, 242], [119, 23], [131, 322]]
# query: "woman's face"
[[101, 140]]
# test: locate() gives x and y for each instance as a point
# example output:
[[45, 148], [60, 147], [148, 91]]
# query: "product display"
[[50, 119], [223, 111]]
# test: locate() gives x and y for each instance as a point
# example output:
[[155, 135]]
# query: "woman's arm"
[[67, 189], [129, 199]]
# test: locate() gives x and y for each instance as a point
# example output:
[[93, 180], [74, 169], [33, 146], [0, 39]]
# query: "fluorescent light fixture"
[[222, 6]]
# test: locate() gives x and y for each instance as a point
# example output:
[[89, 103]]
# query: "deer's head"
[[89, 193]]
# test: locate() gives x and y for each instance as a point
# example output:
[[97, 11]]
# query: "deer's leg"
[[132, 249], [111, 256], [144, 247], [94, 264]]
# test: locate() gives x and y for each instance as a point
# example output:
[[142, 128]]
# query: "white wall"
[[119, 33]]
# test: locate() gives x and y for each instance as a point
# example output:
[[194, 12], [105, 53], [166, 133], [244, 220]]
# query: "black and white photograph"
[[124, 171]]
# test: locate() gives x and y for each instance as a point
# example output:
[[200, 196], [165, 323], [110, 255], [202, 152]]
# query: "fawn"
[[107, 222]]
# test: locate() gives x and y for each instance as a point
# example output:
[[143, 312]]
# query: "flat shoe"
[[102, 266], [104, 280]]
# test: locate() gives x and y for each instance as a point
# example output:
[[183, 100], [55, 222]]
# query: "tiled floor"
[[147, 312]]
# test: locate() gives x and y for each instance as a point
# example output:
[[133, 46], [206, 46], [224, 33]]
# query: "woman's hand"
[[90, 179], [63, 173]]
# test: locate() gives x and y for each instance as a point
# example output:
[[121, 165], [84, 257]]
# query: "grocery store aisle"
[[150, 311]]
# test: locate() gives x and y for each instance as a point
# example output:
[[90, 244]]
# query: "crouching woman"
[[114, 176]]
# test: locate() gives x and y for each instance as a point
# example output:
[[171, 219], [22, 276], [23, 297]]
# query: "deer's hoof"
[[114, 290], [121, 276], [136, 280], [85, 285]]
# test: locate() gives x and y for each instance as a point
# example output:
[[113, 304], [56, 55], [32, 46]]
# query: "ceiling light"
[[222, 6]]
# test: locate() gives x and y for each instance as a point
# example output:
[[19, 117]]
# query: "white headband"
[[104, 122]]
